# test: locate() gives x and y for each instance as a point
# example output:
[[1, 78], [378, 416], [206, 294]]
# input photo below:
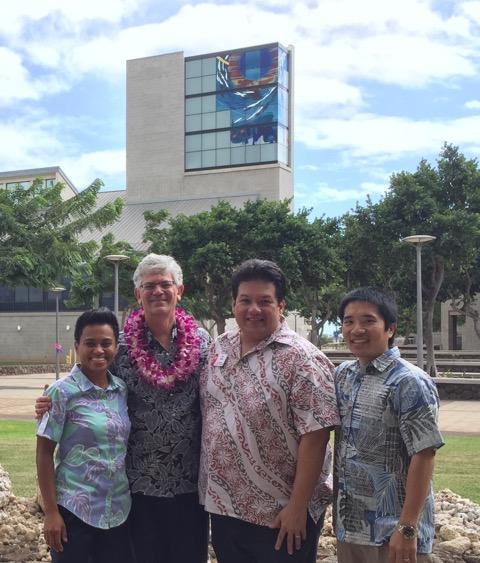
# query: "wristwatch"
[[408, 531]]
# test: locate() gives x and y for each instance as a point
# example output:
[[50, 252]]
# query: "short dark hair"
[[102, 316], [383, 301], [265, 270]]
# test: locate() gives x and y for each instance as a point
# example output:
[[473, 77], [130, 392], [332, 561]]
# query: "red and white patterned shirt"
[[255, 409]]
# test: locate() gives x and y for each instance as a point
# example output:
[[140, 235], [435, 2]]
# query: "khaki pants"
[[355, 553]]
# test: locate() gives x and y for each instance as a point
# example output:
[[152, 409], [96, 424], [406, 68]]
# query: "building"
[[24, 178], [199, 130], [214, 125], [457, 329], [203, 129]]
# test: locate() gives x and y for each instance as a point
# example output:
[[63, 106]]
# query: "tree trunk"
[[313, 336], [438, 272], [220, 325]]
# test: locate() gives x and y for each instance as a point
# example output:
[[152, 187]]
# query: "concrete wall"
[[155, 125], [35, 340], [271, 181]]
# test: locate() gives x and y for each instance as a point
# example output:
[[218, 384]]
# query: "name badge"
[[218, 360]]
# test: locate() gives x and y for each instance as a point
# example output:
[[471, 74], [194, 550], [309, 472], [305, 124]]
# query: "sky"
[[379, 84]]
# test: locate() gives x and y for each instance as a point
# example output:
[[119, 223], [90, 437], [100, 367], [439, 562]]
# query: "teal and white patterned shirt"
[[91, 427], [388, 412]]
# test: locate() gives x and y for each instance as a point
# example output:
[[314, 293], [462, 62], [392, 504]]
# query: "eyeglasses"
[[165, 285]]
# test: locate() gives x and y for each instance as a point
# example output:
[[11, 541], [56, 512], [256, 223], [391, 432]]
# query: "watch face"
[[409, 532]]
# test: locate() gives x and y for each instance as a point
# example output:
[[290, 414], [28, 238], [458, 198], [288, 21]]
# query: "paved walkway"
[[18, 393]]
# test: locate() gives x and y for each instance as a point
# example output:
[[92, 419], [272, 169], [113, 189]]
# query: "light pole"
[[418, 241], [116, 259], [57, 291]]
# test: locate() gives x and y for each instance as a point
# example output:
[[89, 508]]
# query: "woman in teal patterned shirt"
[[85, 492]]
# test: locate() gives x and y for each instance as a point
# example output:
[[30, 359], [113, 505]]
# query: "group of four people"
[[238, 429]]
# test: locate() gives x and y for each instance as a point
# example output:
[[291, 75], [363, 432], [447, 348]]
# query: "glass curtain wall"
[[236, 108]]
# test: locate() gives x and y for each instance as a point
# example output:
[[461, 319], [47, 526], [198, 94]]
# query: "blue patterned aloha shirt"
[[91, 427], [164, 446], [389, 412]]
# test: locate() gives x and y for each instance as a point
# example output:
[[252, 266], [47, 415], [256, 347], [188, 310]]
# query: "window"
[[208, 141], [18, 185], [193, 143], [193, 105], [237, 105], [193, 86], [193, 123]]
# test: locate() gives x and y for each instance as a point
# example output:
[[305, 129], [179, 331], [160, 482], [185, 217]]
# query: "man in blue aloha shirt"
[[386, 443]]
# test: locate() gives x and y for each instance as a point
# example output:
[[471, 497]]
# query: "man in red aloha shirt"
[[268, 405]]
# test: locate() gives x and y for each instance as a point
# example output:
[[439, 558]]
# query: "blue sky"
[[379, 84]]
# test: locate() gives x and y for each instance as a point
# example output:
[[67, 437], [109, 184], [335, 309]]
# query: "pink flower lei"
[[150, 370]]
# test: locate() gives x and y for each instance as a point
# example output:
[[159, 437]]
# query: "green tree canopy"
[[95, 276], [39, 232]]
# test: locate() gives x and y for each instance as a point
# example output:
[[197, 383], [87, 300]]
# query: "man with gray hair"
[[159, 358]]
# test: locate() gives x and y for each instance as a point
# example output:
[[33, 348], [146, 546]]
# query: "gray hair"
[[158, 264]]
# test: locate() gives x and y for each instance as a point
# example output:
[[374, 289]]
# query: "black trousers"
[[237, 541], [169, 530], [87, 544]]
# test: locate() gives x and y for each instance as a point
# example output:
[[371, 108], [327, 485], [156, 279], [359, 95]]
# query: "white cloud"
[[472, 104], [471, 10], [325, 193], [373, 187], [14, 78], [17, 16], [369, 135], [35, 140], [316, 93], [85, 168], [310, 167]]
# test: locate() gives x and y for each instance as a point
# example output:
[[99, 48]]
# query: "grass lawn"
[[17, 454], [458, 466], [457, 463]]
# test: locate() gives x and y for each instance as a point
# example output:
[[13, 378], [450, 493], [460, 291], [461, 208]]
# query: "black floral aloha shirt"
[[164, 446]]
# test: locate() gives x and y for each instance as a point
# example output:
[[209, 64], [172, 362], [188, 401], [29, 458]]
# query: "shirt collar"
[[278, 335], [383, 362], [86, 385]]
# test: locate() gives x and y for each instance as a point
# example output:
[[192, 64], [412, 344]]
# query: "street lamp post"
[[116, 259], [57, 291], [418, 241]]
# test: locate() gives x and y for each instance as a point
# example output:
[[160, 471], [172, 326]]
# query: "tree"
[[39, 232], [95, 276], [318, 279], [443, 202]]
